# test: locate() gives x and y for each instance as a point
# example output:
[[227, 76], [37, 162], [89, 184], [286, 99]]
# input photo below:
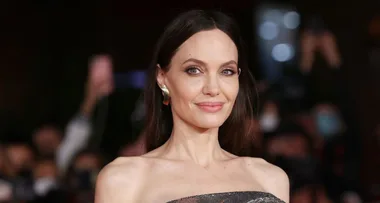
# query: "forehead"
[[209, 46], [19, 147], [47, 131]]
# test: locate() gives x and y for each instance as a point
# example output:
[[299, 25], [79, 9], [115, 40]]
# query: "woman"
[[198, 97]]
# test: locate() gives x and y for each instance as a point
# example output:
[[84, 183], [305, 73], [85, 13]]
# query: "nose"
[[211, 87]]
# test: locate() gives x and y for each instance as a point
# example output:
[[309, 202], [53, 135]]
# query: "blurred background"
[[65, 113]]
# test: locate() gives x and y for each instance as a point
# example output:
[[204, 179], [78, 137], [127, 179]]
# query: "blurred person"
[[291, 149], [45, 175], [303, 195], [197, 99], [317, 38], [270, 117], [100, 82], [6, 169], [47, 140], [340, 155], [310, 193], [327, 120], [321, 62], [340, 170], [21, 158], [47, 186], [290, 140], [6, 173], [82, 175], [84, 168], [88, 159], [78, 131]]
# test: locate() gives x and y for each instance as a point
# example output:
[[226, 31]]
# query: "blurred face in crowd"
[[269, 119], [203, 79], [327, 120], [47, 140], [20, 156], [292, 145], [87, 161], [45, 168]]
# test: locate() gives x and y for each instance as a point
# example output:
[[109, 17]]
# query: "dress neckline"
[[225, 193]]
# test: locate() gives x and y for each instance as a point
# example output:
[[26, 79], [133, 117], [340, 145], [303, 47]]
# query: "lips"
[[210, 107]]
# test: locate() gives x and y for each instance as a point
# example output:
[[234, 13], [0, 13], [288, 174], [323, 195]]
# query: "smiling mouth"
[[210, 107]]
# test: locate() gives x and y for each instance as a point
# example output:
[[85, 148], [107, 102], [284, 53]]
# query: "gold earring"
[[165, 93]]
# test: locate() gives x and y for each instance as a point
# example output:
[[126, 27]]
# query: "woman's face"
[[203, 79]]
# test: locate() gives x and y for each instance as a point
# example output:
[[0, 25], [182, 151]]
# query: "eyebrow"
[[203, 63]]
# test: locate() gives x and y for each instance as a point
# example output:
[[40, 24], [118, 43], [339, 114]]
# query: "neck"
[[194, 144]]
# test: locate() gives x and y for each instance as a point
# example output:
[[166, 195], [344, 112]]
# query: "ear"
[[160, 76]]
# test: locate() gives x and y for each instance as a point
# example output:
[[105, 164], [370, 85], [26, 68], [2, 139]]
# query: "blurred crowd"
[[303, 125], [307, 126]]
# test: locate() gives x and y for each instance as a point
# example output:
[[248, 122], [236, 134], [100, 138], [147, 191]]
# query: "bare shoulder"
[[272, 178], [120, 180]]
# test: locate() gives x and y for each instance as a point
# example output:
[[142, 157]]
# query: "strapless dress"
[[231, 197]]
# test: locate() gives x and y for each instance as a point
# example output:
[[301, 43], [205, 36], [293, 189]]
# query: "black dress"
[[231, 197]]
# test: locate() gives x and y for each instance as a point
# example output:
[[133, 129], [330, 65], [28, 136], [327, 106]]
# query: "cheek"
[[183, 90], [230, 88]]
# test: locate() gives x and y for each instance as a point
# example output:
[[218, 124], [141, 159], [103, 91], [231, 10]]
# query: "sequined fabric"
[[231, 197]]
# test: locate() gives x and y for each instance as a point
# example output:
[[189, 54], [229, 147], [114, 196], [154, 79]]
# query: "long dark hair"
[[234, 135]]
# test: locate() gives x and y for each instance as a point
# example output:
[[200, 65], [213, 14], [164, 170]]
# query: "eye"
[[228, 72], [192, 70]]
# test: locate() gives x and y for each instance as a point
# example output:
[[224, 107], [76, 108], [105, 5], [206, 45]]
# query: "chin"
[[208, 126], [208, 122]]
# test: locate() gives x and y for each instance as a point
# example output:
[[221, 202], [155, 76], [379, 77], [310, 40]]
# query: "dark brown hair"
[[234, 134]]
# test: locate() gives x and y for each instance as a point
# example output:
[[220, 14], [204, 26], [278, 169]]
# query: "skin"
[[20, 156], [47, 139], [325, 43], [100, 83], [45, 169], [192, 162]]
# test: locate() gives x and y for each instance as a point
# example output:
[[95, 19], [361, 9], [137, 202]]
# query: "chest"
[[174, 184]]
